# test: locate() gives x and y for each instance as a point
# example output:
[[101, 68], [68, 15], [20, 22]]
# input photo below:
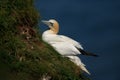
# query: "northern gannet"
[[64, 45]]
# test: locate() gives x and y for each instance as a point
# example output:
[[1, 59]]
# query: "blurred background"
[[93, 23]]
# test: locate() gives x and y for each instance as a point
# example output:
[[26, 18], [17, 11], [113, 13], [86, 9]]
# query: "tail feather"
[[84, 68], [77, 61]]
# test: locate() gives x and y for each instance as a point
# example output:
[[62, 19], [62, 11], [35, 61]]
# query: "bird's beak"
[[46, 22]]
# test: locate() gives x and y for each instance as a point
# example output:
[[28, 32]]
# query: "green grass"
[[38, 62], [29, 59]]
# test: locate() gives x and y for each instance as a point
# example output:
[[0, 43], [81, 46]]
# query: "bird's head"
[[52, 24]]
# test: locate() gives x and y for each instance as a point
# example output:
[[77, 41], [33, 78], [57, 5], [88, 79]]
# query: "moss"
[[23, 54]]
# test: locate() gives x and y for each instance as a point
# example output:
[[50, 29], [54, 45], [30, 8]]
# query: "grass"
[[23, 54]]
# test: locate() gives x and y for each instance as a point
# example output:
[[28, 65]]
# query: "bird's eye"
[[51, 23]]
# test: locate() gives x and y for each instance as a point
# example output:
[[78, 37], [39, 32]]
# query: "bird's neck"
[[55, 31], [55, 28], [49, 32]]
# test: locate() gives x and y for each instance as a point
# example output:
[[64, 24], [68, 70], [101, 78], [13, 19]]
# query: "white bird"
[[64, 45]]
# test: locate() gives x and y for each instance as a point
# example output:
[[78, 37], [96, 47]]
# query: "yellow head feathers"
[[53, 25]]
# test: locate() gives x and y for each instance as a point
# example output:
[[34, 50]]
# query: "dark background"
[[93, 23]]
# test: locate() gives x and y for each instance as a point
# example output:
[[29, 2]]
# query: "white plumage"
[[64, 45], [78, 62]]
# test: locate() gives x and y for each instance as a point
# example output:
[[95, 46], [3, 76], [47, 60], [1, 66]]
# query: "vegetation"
[[23, 55]]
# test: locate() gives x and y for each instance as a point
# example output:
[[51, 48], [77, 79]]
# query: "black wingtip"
[[87, 53], [94, 55]]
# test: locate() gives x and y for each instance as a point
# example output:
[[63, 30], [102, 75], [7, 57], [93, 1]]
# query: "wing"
[[71, 41], [61, 40], [51, 38], [65, 49], [78, 46]]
